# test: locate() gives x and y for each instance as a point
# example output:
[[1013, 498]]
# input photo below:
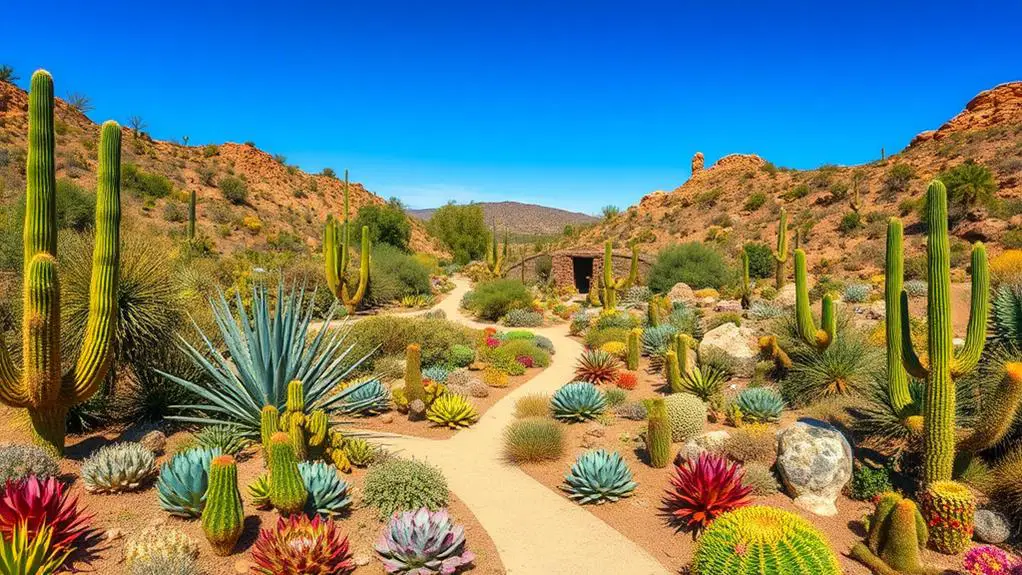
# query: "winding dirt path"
[[535, 530]]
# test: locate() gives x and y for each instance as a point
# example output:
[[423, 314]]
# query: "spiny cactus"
[[335, 252], [269, 423], [611, 285], [191, 216], [632, 357], [658, 434], [781, 253], [653, 312], [897, 378], [897, 533], [311, 436], [223, 518], [39, 386], [287, 491], [494, 256], [770, 348], [950, 510], [413, 374], [746, 287], [807, 330], [684, 346], [593, 297]]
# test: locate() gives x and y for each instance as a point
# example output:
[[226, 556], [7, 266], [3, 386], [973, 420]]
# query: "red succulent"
[[302, 545], [525, 360], [43, 503], [597, 366], [492, 342], [704, 488], [627, 380]]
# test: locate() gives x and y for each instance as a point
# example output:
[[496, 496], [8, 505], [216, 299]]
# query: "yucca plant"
[[423, 542], [597, 366], [118, 467], [266, 350], [599, 476], [369, 397], [704, 381], [760, 404], [183, 480], [703, 489], [225, 438], [34, 505], [302, 545], [22, 554], [577, 401], [453, 411]]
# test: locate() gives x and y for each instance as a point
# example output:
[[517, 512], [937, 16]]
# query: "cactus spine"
[[287, 491], [781, 253], [658, 435], [897, 533], [38, 386], [223, 517], [823, 337], [632, 359], [746, 288], [335, 251], [413, 374], [191, 216], [269, 423]]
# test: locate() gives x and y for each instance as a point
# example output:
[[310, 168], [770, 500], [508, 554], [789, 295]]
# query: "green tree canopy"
[[462, 230], [387, 223]]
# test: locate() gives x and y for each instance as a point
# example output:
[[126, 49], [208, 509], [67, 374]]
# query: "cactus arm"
[[40, 231], [781, 253], [352, 300], [828, 320], [998, 413], [967, 357], [331, 254], [821, 338], [97, 350], [897, 379], [909, 358], [633, 270], [345, 240]]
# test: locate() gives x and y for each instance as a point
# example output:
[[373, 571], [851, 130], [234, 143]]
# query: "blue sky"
[[570, 104]]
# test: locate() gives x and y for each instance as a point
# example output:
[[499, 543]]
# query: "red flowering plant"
[[525, 360], [703, 489], [302, 545], [627, 380], [40, 504]]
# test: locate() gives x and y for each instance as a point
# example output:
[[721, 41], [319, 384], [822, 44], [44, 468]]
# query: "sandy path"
[[535, 530]]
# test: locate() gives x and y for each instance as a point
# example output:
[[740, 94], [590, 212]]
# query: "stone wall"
[[563, 267]]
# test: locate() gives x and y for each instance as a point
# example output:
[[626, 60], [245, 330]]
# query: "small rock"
[[417, 410], [681, 292], [711, 441], [387, 418], [113, 534], [728, 306], [476, 366], [588, 441], [876, 310], [242, 566], [154, 441], [361, 559], [991, 527]]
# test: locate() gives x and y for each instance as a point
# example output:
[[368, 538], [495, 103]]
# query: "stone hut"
[[576, 266]]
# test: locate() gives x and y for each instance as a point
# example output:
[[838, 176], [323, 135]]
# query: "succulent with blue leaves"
[[369, 397], [577, 401], [437, 373], [760, 404], [599, 476], [183, 480], [329, 494], [423, 542], [657, 340]]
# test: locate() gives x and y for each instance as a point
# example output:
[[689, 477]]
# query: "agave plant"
[[703, 382], [301, 545], [577, 401], [1006, 315], [656, 340], [24, 554], [369, 397], [704, 488], [226, 438], [599, 476], [437, 373], [34, 505], [328, 493], [423, 542], [360, 452], [452, 410], [183, 480], [265, 350], [760, 404], [118, 467], [597, 366], [259, 491]]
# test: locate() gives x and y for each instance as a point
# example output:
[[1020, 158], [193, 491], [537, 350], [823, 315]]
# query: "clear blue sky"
[[569, 104]]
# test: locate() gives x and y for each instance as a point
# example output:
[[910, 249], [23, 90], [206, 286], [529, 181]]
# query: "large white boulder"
[[738, 343], [815, 461]]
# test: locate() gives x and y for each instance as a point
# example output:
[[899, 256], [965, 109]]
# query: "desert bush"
[[1006, 268], [543, 265], [399, 484], [387, 223], [845, 367], [897, 180], [143, 184], [761, 479], [523, 318], [752, 443], [235, 189], [798, 192], [850, 222], [621, 319], [722, 318], [493, 299], [18, 461], [462, 230], [761, 259], [596, 338], [968, 185], [693, 263], [532, 405], [754, 202], [174, 212], [394, 274], [391, 335], [868, 482], [856, 293], [533, 439]]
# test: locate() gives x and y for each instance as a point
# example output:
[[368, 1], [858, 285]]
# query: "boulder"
[[681, 292], [991, 527], [417, 410], [698, 160], [738, 343], [815, 461], [728, 306], [712, 441]]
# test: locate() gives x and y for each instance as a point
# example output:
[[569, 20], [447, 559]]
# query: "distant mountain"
[[519, 218]]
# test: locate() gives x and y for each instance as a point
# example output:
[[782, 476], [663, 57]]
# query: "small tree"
[[7, 74], [969, 185], [897, 179], [462, 229], [80, 102], [328, 172], [387, 224], [137, 124]]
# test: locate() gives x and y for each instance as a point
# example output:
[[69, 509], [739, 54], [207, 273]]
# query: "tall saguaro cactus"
[[611, 285], [38, 385], [335, 251], [781, 253], [820, 337], [191, 216], [897, 378], [746, 285], [494, 256]]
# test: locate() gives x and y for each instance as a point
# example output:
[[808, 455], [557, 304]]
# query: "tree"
[[462, 230], [968, 185], [7, 74], [137, 124], [610, 212], [79, 102], [388, 224], [328, 172]]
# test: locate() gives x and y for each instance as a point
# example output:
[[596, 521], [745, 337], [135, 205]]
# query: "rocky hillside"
[[527, 219], [284, 209], [738, 198]]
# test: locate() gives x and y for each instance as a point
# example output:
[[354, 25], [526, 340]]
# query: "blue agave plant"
[[437, 373], [655, 340], [599, 476], [760, 404], [181, 487], [577, 401], [366, 398], [328, 493], [423, 542]]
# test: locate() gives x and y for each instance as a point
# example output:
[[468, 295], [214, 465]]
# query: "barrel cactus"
[[223, 518], [577, 402], [599, 476], [950, 509], [423, 542], [687, 415], [118, 467], [183, 480]]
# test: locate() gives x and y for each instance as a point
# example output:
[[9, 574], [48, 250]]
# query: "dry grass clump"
[[533, 439], [533, 405]]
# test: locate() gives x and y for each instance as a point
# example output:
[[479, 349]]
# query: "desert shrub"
[[754, 202], [76, 206], [753, 443], [143, 184], [533, 439], [693, 263], [968, 185], [761, 479], [849, 222], [523, 318], [18, 461], [868, 482], [518, 348], [897, 180], [635, 411], [615, 396], [686, 413], [709, 197], [856, 293], [1006, 268], [722, 318], [235, 189], [400, 484], [387, 223], [596, 338], [493, 299], [621, 319], [543, 266], [460, 355], [390, 335], [798, 192], [174, 212], [394, 274], [915, 288], [761, 259], [532, 405], [765, 310], [579, 323], [462, 230], [494, 377]]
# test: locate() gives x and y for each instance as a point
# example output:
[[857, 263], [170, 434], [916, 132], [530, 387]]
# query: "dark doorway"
[[582, 268]]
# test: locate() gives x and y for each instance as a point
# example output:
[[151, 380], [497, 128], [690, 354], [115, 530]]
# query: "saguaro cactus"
[[223, 517], [746, 287], [611, 285], [897, 378], [658, 434], [38, 385], [191, 216], [807, 330], [494, 256], [335, 251], [781, 253]]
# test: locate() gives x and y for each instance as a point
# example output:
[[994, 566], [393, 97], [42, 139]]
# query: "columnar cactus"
[[673, 372], [287, 491], [335, 252], [191, 216], [269, 423], [658, 435], [897, 533], [781, 253], [653, 312], [897, 377], [413, 374], [633, 268], [310, 433], [39, 386], [632, 359], [746, 288], [494, 256], [950, 510], [593, 297], [223, 517], [683, 347], [611, 285], [807, 330]]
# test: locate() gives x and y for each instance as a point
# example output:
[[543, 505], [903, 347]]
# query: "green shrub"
[[968, 185], [387, 224], [722, 318], [18, 461], [493, 299], [394, 274], [761, 479], [461, 355], [868, 482], [614, 396], [849, 222], [897, 180], [144, 184], [391, 335], [709, 197], [798, 192], [235, 190], [595, 338], [533, 439], [693, 263], [754, 202], [404, 485], [462, 230], [511, 350], [621, 319], [761, 259], [523, 318], [845, 367]]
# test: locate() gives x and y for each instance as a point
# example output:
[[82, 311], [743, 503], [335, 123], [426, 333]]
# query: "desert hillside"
[[284, 209], [738, 198], [526, 219]]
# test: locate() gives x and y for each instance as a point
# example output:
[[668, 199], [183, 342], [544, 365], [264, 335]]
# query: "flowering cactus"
[[423, 542]]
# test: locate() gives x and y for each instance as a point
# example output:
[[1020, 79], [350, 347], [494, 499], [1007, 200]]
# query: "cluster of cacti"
[[311, 434], [949, 508], [302, 545], [452, 410], [760, 404], [597, 366], [223, 518], [755, 540], [577, 401], [781, 253], [335, 251], [897, 534], [39, 386], [686, 414], [181, 486], [658, 434], [287, 490], [599, 476], [226, 438], [611, 284], [423, 542], [824, 336], [632, 351], [118, 467]]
